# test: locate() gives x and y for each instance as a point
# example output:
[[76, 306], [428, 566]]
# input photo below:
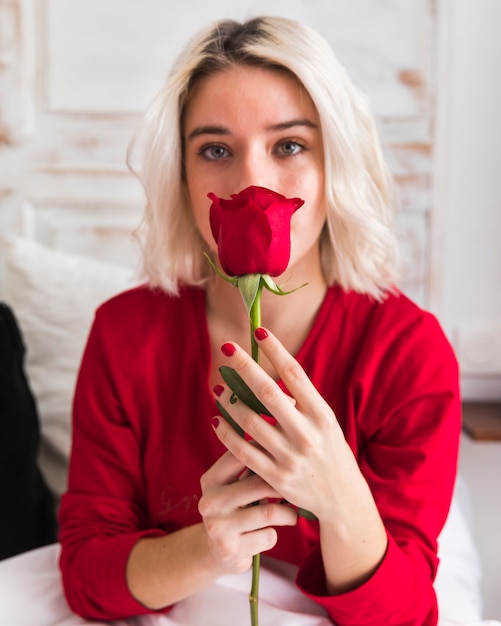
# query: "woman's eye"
[[289, 148], [214, 152]]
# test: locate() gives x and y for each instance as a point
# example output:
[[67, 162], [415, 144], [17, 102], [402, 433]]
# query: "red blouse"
[[142, 437]]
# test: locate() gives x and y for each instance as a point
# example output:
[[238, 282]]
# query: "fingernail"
[[260, 334], [218, 390], [228, 349], [215, 422]]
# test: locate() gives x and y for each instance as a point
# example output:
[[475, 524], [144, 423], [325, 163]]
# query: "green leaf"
[[229, 419], [243, 392], [306, 514], [272, 286], [233, 280], [248, 286]]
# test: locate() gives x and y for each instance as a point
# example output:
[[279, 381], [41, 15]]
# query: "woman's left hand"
[[307, 460], [305, 456]]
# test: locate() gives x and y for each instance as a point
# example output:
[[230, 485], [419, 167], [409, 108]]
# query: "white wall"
[[466, 264], [74, 79], [466, 268]]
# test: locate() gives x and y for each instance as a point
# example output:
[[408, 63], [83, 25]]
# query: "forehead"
[[242, 88]]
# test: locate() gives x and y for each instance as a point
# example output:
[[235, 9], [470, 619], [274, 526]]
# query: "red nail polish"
[[228, 349], [218, 390], [260, 334], [215, 422]]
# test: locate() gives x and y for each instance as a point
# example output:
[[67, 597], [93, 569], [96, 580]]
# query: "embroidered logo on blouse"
[[169, 503]]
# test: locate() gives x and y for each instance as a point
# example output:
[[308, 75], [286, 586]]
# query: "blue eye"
[[214, 152], [290, 148]]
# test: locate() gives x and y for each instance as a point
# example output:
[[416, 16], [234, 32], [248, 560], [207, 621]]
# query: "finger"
[[237, 537], [252, 456], [290, 371], [224, 471], [267, 390], [265, 515], [262, 431], [252, 518], [257, 525], [224, 499]]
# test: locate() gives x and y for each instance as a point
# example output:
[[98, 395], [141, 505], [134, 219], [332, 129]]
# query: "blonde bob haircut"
[[357, 246]]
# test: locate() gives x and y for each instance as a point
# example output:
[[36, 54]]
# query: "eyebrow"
[[291, 124], [208, 130], [222, 130]]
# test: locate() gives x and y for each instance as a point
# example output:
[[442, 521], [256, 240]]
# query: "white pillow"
[[54, 295]]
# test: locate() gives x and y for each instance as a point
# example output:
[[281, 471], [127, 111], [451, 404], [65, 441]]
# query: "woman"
[[159, 493]]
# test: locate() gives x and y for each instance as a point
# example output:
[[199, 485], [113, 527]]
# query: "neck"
[[290, 317]]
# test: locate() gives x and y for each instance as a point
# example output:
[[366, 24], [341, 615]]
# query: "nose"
[[254, 168]]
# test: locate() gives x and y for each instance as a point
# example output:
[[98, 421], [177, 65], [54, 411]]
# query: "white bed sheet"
[[31, 595]]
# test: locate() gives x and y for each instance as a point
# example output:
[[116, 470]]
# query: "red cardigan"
[[142, 438]]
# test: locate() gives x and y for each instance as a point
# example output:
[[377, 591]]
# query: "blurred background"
[[76, 74]]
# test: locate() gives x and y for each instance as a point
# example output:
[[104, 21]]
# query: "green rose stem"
[[255, 321], [254, 592], [251, 289]]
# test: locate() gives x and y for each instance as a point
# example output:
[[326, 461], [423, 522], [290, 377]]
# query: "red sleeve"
[[408, 409], [99, 528]]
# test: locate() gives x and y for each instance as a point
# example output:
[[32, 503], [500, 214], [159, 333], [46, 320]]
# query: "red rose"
[[252, 231]]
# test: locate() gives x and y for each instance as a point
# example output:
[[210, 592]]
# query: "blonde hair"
[[358, 246]]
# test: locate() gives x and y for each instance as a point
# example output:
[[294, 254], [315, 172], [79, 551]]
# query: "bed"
[[54, 295]]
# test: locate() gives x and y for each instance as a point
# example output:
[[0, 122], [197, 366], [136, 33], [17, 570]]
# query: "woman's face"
[[252, 126]]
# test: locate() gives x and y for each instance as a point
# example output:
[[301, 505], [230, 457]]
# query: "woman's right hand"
[[163, 570], [238, 519]]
